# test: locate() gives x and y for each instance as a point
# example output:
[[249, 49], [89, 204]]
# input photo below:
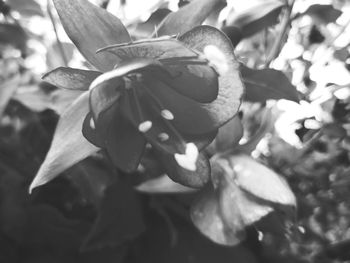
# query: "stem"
[[276, 48], [59, 43]]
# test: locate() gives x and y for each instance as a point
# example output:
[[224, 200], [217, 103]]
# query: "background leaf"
[[323, 13], [256, 18], [119, 219], [265, 84]]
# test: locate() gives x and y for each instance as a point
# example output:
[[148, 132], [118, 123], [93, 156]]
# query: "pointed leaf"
[[265, 84], [188, 17], [231, 89], [261, 181], [71, 78], [256, 18], [68, 145], [91, 28]]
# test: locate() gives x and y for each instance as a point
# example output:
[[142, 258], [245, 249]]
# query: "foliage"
[[192, 131]]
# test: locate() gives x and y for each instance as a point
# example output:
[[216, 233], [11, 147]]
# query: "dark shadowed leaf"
[[195, 179], [231, 89], [69, 145], [71, 78], [256, 18], [26, 7], [13, 34], [119, 218], [265, 84], [323, 13], [188, 17], [91, 28]]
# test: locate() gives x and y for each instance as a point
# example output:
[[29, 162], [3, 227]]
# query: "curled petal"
[[231, 89], [71, 78]]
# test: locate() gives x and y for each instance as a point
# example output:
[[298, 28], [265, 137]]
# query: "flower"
[[173, 92], [154, 99]]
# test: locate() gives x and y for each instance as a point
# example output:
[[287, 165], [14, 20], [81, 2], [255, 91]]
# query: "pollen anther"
[[166, 114], [145, 126], [163, 137]]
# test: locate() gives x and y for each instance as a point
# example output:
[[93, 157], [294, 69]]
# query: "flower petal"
[[231, 89], [158, 48], [189, 16], [198, 82], [260, 181], [91, 28], [71, 78], [189, 116], [157, 132], [124, 143], [194, 179], [206, 216]]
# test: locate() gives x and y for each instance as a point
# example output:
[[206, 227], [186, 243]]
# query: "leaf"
[[265, 84], [187, 17], [323, 13], [162, 185], [119, 218], [7, 90], [13, 34], [261, 181], [231, 89], [68, 146], [71, 78], [91, 28], [26, 7], [256, 18]]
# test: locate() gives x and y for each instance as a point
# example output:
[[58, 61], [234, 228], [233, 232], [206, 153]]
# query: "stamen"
[[189, 159], [190, 60], [163, 137], [92, 123], [166, 114], [145, 126]]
